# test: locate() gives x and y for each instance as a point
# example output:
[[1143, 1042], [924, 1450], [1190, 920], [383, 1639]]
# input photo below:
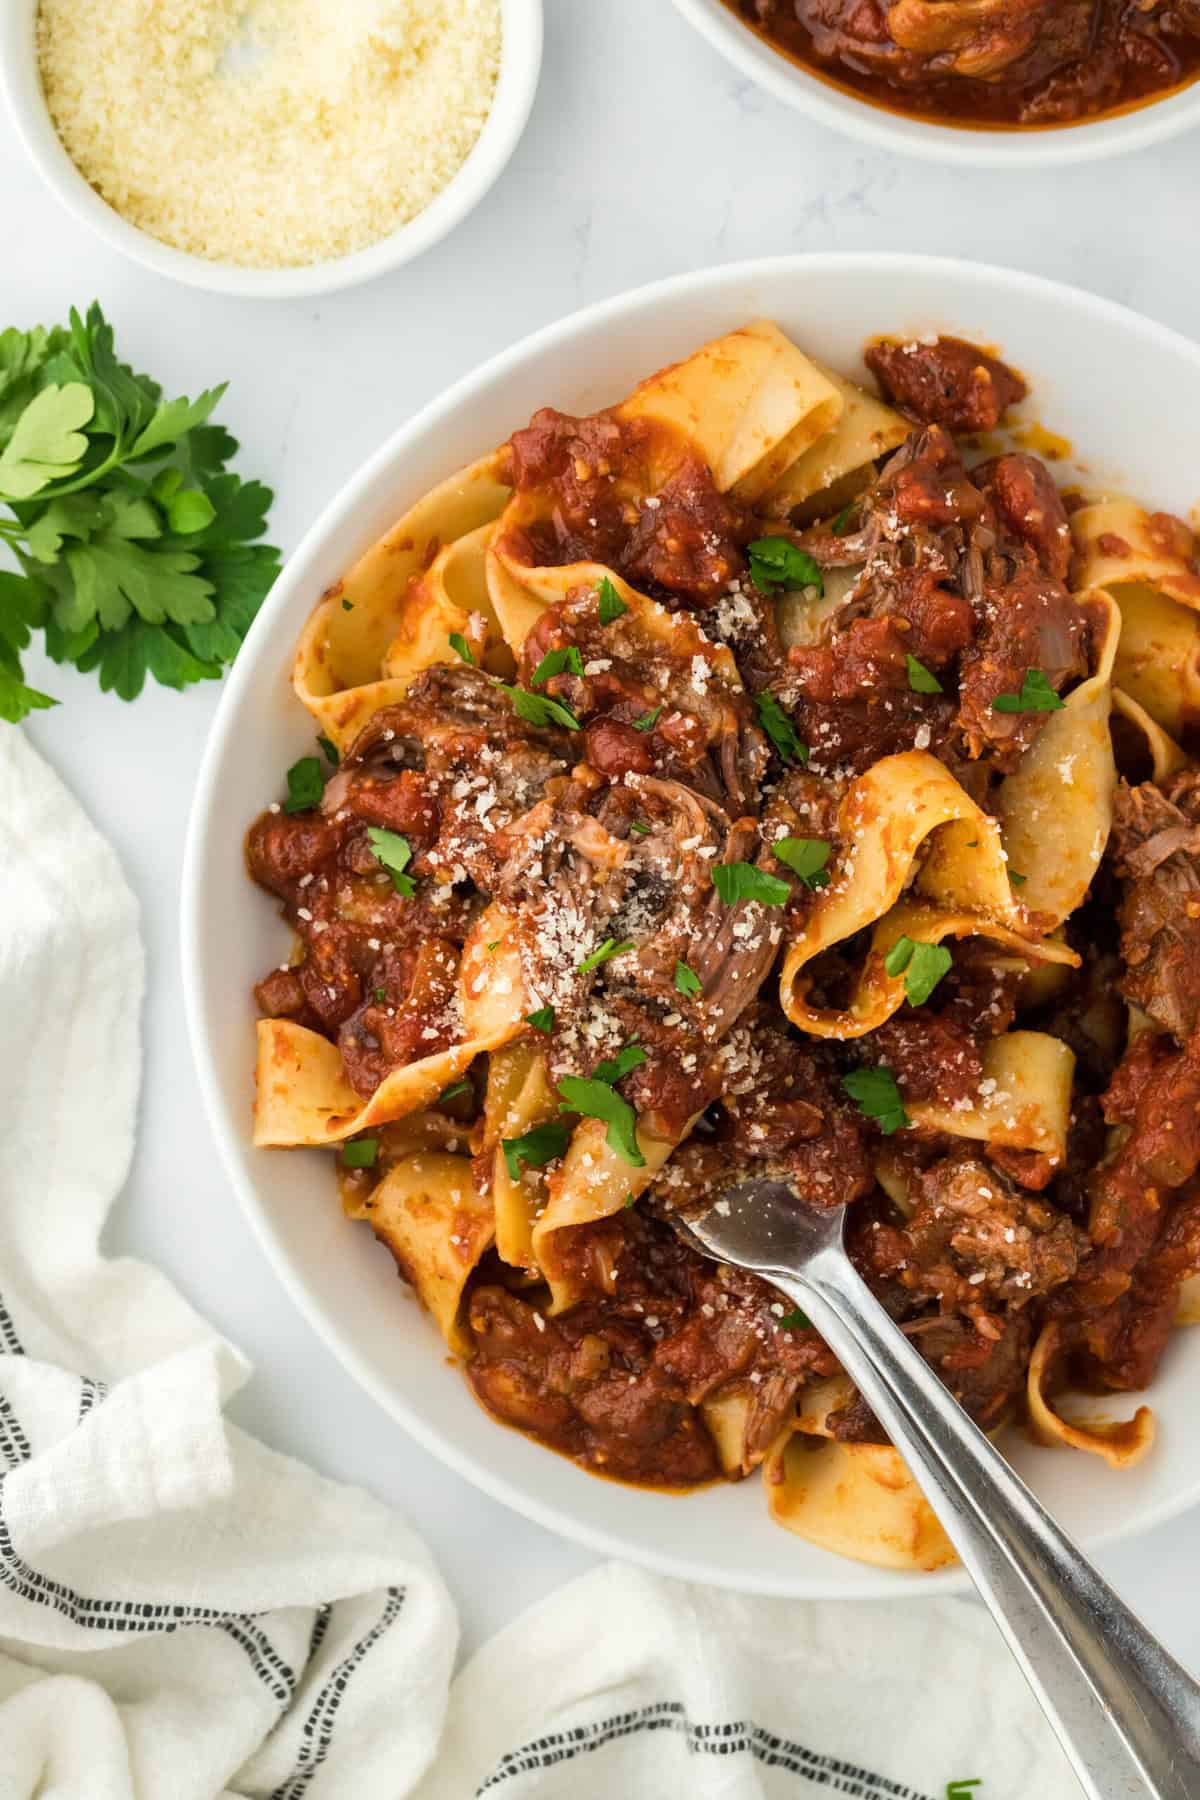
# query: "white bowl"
[[1126, 391], [520, 65], [845, 111]]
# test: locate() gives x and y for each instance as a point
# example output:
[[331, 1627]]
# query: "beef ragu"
[[623, 805], [1005, 64]]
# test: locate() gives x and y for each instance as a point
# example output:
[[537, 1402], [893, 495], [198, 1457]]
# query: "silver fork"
[[1126, 1713]]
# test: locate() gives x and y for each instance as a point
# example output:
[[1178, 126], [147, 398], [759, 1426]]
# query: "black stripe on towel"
[[136, 1617], [10, 1343], [317, 1730], [732, 1738]]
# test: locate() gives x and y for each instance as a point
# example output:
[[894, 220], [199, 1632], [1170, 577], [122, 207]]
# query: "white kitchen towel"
[[185, 1615]]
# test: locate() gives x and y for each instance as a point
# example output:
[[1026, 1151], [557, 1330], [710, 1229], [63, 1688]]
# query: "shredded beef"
[[1156, 849]]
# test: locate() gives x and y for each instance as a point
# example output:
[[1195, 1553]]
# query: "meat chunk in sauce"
[[1156, 848], [947, 382]]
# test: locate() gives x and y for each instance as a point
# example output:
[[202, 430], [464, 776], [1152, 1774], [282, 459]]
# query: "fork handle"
[[1126, 1713]]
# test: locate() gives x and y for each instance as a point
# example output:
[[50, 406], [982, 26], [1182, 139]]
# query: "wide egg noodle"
[[518, 1099], [904, 808], [1121, 1443], [594, 1182], [749, 403], [1166, 757], [339, 672], [1123, 548], [857, 1500], [437, 1225], [1055, 809], [831, 471], [303, 1096], [1024, 1097]]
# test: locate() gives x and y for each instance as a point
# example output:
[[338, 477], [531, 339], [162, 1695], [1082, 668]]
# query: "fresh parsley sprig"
[[877, 1097], [922, 966], [780, 730], [777, 566], [1036, 695], [136, 548]]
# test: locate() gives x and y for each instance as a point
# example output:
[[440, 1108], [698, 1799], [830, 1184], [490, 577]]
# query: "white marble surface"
[[645, 156]]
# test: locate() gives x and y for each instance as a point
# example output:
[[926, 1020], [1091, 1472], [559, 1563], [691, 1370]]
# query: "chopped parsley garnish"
[[780, 730], [542, 1019], [597, 1100], [686, 980], [806, 857], [459, 643], [648, 721], [347, 606], [796, 1321], [608, 949], [329, 747], [630, 1200], [843, 519], [360, 1153], [454, 1091], [742, 881], [611, 603], [922, 966], [920, 679], [395, 854], [1017, 880], [554, 663], [615, 1068], [536, 1148], [494, 945], [639, 829], [1036, 695], [380, 996], [536, 709], [875, 1093], [777, 566], [306, 784], [961, 1790]]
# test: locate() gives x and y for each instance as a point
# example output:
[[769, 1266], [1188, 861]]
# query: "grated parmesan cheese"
[[271, 134]]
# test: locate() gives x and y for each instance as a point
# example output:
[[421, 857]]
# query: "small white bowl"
[[520, 66], [1125, 391], [1030, 149]]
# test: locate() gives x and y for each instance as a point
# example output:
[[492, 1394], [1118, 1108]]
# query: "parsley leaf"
[[796, 1321], [360, 1153], [459, 644], [611, 603], [961, 1790], [742, 881], [777, 566], [136, 546], [780, 730], [922, 966], [615, 1068], [329, 747], [638, 829], [306, 784], [597, 1100], [394, 853], [806, 857], [542, 1019], [555, 662], [1036, 695], [843, 519], [536, 1148], [454, 1091], [608, 949], [648, 721], [875, 1093], [686, 980], [920, 679], [536, 709], [1017, 880]]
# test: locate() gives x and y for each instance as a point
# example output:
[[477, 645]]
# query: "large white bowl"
[[520, 65], [847, 111], [1126, 391]]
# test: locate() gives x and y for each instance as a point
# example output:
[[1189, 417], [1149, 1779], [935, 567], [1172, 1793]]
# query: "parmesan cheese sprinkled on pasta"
[[274, 134]]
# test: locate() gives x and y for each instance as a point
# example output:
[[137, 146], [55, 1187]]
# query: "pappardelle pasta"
[[760, 776]]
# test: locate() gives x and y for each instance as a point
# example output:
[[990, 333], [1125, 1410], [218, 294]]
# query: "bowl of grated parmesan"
[[270, 148]]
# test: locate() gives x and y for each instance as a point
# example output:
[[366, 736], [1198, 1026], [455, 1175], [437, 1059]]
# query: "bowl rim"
[[522, 42], [290, 586], [1116, 134]]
